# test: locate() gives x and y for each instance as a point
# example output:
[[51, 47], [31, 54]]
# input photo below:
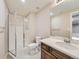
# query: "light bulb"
[[23, 0]]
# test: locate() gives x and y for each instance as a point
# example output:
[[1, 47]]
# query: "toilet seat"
[[33, 48]]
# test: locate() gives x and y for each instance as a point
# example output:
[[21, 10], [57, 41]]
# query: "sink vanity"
[[52, 48], [66, 24], [51, 53]]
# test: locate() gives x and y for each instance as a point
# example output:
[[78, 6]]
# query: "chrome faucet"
[[68, 39]]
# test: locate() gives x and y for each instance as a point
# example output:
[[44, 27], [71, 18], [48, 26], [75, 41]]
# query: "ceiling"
[[23, 8], [66, 6]]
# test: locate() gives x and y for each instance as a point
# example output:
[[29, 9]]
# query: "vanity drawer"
[[45, 47], [59, 54]]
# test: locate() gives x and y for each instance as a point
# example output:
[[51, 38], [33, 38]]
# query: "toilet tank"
[[38, 39]]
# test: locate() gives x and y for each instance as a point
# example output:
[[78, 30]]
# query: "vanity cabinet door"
[[46, 55]]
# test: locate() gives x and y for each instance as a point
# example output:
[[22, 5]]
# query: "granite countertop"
[[58, 43]]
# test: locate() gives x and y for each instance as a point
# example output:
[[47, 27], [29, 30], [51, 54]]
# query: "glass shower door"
[[12, 36], [12, 40]]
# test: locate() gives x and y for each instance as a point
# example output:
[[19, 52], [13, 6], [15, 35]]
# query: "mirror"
[[60, 25], [75, 25]]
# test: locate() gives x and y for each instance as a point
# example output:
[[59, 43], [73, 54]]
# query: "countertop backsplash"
[[61, 33]]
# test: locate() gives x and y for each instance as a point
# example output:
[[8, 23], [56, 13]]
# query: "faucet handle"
[[67, 40]]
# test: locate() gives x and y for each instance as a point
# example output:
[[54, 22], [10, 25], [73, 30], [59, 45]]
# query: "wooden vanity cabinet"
[[51, 53], [46, 55]]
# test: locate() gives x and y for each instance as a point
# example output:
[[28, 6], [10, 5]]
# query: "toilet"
[[35, 47]]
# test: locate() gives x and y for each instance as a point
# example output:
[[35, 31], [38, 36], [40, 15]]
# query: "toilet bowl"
[[35, 47]]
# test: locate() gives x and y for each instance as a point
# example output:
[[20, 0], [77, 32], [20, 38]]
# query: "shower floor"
[[13, 52]]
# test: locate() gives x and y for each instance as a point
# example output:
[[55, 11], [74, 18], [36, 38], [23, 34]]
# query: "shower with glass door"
[[15, 34], [18, 33], [21, 31]]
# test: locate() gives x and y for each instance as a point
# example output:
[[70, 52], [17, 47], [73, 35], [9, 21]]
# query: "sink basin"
[[66, 45], [75, 42]]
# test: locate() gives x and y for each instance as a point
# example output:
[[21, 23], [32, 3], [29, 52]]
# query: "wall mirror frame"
[[65, 6], [75, 25]]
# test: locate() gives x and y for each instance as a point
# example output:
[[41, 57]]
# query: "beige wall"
[[39, 24], [31, 32], [43, 22], [61, 23], [3, 19]]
